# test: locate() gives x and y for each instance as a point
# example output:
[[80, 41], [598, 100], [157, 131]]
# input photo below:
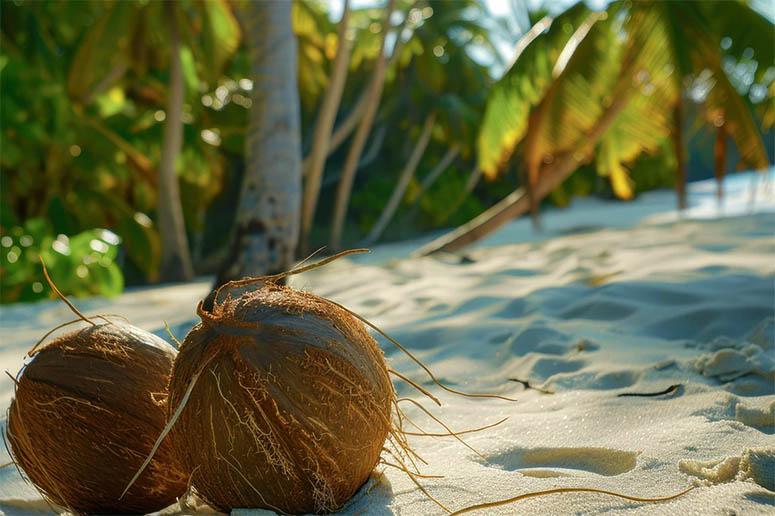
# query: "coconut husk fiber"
[[86, 412], [286, 402]]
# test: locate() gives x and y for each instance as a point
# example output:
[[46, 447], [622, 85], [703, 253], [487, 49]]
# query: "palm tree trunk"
[[325, 122], [678, 148], [359, 140], [268, 213], [529, 174], [377, 140], [175, 255], [473, 180], [518, 202], [720, 160], [403, 181], [345, 128]]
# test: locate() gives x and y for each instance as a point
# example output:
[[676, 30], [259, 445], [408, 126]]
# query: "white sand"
[[586, 313]]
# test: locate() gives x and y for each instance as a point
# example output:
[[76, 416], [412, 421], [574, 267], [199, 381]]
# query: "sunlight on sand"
[[587, 315]]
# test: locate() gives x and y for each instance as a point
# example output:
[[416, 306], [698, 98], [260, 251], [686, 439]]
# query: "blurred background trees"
[[124, 124]]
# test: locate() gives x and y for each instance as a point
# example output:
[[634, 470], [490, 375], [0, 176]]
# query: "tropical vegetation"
[[150, 141]]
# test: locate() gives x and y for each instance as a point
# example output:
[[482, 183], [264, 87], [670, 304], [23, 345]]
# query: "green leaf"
[[219, 38], [724, 104], [646, 121], [188, 65], [103, 47], [745, 28], [523, 86]]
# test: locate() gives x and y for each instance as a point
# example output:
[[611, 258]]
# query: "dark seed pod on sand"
[[86, 412], [290, 405]]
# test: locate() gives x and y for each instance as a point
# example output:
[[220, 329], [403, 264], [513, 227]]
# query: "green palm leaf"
[[523, 86], [692, 34], [220, 34], [106, 42], [646, 120]]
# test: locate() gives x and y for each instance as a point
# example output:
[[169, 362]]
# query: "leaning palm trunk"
[[720, 160], [403, 181], [350, 122], [175, 256], [267, 225], [473, 180], [680, 161], [345, 128], [518, 202], [359, 140], [313, 173]]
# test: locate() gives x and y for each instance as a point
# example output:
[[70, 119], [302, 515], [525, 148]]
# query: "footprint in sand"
[[761, 418], [565, 462], [754, 464]]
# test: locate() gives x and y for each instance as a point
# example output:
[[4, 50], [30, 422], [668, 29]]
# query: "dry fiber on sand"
[[587, 316]]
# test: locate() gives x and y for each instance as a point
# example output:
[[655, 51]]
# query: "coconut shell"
[[86, 412], [291, 408]]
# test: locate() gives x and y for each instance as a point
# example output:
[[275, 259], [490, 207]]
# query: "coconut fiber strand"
[[291, 404], [86, 412]]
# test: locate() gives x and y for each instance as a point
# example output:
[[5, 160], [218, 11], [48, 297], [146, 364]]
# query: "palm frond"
[[523, 86]]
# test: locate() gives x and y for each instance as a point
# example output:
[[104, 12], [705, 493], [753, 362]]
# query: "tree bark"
[[403, 181], [344, 190], [345, 128], [268, 213], [175, 255], [680, 161], [325, 122], [517, 203], [720, 161]]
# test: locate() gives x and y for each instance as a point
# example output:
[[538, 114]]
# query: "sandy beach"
[[612, 299]]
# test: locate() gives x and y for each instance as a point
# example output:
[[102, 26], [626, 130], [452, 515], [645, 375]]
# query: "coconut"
[[86, 412], [284, 402]]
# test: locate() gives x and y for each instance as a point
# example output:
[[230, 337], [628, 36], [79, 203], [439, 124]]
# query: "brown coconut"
[[86, 412], [286, 402]]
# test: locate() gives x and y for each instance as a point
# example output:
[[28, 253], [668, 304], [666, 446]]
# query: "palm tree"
[[268, 213], [403, 181], [176, 262], [439, 35], [127, 37], [608, 85], [313, 171], [359, 139]]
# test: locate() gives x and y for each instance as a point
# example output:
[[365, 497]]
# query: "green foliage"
[[84, 86], [695, 38], [437, 208], [524, 85], [82, 265], [641, 54]]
